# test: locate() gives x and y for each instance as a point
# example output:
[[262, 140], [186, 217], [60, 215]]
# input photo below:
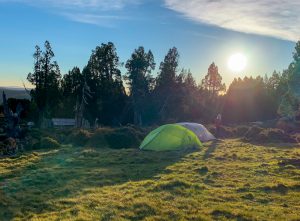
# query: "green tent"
[[170, 137]]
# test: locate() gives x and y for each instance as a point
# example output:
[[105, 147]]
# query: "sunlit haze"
[[237, 62]]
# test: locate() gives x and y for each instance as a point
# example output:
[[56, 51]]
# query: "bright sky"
[[204, 31]]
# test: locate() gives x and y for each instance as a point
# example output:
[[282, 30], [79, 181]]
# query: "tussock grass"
[[226, 180]]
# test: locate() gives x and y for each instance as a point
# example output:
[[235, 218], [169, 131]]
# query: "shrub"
[[2, 136], [240, 131], [286, 125], [227, 132], [78, 137], [98, 138], [58, 134], [2, 149], [8, 146], [252, 133], [36, 133], [48, 143], [32, 143], [275, 135], [124, 137], [257, 134], [297, 137]]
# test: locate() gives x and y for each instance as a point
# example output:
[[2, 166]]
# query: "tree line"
[[103, 95]]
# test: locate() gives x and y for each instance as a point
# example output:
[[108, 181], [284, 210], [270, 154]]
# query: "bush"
[[252, 133], [286, 125], [78, 137], [275, 135], [36, 134], [2, 135], [240, 131], [297, 137], [32, 144], [48, 143], [269, 135], [98, 138], [124, 137], [227, 132], [8, 146]]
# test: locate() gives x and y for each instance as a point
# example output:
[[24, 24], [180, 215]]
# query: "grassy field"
[[225, 180]]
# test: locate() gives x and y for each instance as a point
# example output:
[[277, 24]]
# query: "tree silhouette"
[[46, 79], [290, 104], [103, 77], [213, 81], [165, 90], [139, 80]]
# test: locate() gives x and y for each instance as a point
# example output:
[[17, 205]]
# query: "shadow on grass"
[[211, 149], [34, 188]]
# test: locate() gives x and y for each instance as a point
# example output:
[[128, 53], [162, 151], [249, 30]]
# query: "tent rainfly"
[[170, 137], [201, 132]]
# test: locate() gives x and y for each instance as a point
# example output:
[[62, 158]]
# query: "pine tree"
[[104, 78], [166, 91], [46, 79], [71, 86], [213, 81], [139, 80]]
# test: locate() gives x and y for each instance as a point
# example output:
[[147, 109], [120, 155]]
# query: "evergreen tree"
[[213, 81], [46, 79], [166, 91], [140, 81], [104, 78], [71, 86], [290, 104], [166, 78], [249, 99], [189, 105]]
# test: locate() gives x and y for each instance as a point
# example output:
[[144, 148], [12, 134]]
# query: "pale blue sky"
[[203, 31]]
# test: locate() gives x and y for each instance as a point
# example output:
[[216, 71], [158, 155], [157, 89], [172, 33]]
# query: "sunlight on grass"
[[228, 180]]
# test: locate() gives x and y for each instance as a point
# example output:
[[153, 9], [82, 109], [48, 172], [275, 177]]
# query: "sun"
[[237, 62]]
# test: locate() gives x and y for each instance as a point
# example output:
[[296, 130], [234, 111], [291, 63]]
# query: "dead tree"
[[11, 120], [80, 106]]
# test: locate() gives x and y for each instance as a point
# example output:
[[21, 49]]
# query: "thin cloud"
[[275, 18], [99, 20], [84, 11], [103, 5]]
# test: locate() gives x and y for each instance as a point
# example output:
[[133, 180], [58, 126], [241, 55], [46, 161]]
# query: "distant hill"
[[14, 92]]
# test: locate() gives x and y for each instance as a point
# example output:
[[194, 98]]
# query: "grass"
[[225, 180]]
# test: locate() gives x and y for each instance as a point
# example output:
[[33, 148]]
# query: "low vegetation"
[[130, 137], [225, 180], [115, 138]]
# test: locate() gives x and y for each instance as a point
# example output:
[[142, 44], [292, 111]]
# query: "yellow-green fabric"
[[170, 137]]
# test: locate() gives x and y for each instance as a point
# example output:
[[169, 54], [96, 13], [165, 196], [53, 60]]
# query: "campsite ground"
[[225, 180]]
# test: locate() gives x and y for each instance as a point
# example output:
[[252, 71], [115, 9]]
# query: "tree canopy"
[[105, 96]]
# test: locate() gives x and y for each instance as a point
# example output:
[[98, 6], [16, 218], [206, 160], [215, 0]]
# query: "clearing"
[[225, 180]]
